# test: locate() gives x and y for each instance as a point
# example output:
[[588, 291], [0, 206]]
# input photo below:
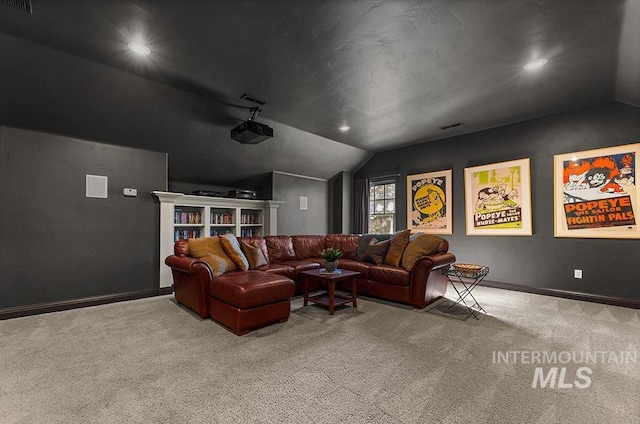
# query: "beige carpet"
[[152, 361]]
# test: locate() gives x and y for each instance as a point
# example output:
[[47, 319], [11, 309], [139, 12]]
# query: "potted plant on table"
[[331, 256]]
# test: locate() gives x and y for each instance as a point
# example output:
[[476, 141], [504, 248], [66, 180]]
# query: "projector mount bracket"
[[254, 113]]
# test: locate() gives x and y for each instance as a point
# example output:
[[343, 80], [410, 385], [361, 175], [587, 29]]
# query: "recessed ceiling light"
[[139, 48], [538, 63], [345, 128]]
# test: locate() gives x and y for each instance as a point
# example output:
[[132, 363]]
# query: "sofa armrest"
[[428, 283], [191, 279], [438, 260]]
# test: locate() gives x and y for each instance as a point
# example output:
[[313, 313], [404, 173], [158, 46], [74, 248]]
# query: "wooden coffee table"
[[330, 298]]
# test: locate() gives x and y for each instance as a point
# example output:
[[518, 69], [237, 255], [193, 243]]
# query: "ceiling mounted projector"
[[252, 131]]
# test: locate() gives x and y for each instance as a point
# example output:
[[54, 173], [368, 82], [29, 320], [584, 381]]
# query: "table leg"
[[353, 293], [306, 290], [467, 288], [331, 288]]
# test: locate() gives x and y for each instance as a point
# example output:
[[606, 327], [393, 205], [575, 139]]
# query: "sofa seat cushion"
[[280, 269], [389, 274], [353, 265], [308, 246], [280, 248], [303, 265], [249, 289]]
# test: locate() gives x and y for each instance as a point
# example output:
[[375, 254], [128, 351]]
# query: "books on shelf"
[[250, 232], [220, 231], [190, 222], [185, 234], [250, 218], [187, 217], [221, 218], [323, 271]]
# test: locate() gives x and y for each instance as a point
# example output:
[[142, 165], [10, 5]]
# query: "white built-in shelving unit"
[[185, 216]]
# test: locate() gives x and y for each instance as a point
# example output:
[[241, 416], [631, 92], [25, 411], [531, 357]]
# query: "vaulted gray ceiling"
[[394, 71]]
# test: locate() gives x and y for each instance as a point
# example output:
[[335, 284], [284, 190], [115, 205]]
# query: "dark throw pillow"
[[365, 239], [376, 251]]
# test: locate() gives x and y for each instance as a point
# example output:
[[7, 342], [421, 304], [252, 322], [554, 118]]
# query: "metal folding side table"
[[468, 276]]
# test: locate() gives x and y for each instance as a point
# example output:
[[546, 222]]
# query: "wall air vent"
[[24, 5], [253, 99], [446, 127]]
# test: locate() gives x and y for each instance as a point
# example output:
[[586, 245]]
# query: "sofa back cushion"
[[424, 244], [397, 245], [347, 243], [256, 242], [280, 248], [308, 246]]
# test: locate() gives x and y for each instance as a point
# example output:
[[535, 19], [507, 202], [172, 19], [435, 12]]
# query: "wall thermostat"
[[130, 192]]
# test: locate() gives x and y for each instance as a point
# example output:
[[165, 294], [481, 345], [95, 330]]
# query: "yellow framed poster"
[[429, 202], [498, 199], [596, 193]]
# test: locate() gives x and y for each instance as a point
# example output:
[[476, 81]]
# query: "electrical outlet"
[[577, 273]]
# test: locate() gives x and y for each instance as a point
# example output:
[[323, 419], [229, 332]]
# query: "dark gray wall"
[[610, 267], [262, 184], [55, 243], [292, 220]]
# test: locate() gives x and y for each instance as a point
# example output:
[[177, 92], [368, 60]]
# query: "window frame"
[[372, 213]]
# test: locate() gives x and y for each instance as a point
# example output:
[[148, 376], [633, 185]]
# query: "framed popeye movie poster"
[[596, 193], [429, 202], [498, 199]]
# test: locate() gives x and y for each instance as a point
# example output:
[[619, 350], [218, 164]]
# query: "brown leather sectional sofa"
[[245, 300]]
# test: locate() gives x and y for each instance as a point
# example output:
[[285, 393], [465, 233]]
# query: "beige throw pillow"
[[424, 244], [218, 264], [210, 250], [398, 242], [233, 250], [254, 255]]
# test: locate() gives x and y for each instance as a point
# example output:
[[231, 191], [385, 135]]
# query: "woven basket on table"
[[468, 270]]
